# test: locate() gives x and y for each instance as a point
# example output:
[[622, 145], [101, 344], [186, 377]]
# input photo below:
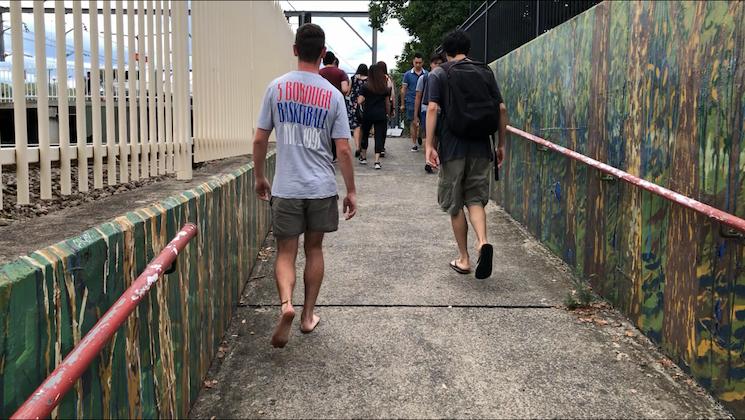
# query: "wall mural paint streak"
[[595, 237], [731, 337], [655, 89], [155, 364], [679, 326]]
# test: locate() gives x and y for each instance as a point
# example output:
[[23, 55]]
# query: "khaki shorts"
[[463, 182], [293, 216]]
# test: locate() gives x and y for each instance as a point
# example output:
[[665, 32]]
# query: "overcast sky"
[[343, 41], [350, 49]]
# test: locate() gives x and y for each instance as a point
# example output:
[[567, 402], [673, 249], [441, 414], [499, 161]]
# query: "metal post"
[[2, 39], [122, 94], [80, 105], [95, 92], [133, 75], [63, 104], [150, 60], [486, 34], [375, 45], [167, 86], [537, 18], [19, 105], [42, 108]]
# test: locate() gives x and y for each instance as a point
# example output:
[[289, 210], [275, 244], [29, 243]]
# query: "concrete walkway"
[[402, 335]]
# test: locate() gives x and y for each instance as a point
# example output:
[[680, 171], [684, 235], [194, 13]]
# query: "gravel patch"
[[15, 212]]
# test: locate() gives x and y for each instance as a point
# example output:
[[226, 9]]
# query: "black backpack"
[[471, 111]]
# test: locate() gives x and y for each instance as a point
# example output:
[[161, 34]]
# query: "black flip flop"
[[484, 265], [458, 269]]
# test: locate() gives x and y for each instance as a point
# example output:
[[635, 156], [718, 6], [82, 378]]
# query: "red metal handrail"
[[41, 403], [695, 205]]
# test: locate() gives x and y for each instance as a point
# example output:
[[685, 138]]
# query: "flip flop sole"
[[484, 265], [458, 269]]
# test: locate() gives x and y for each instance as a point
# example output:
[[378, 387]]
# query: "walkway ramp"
[[402, 335]]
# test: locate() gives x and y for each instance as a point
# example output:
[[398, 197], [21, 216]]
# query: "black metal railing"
[[498, 27]]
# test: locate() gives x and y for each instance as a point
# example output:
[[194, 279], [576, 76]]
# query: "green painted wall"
[[656, 89], [156, 362]]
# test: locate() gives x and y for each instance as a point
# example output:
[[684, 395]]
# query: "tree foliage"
[[425, 20]]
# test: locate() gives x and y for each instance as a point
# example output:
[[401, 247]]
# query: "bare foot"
[[282, 332], [308, 327]]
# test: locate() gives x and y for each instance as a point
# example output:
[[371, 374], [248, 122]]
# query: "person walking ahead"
[[422, 99], [336, 77], [472, 110], [374, 98], [353, 109], [408, 93], [309, 116]]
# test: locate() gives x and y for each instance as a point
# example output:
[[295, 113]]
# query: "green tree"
[[425, 20]]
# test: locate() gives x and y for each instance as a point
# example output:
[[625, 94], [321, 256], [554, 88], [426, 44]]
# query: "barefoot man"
[[308, 114]]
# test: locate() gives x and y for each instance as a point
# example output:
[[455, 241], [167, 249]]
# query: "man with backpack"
[[472, 111]]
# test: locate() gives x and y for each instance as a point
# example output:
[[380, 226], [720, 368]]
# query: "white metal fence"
[[238, 48], [32, 85], [163, 141], [133, 114]]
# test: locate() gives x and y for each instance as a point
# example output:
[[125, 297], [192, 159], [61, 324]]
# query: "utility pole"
[[375, 45], [2, 38]]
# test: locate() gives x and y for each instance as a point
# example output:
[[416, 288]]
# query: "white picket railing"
[[238, 48], [166, 139], [32, 85], [136, 89]]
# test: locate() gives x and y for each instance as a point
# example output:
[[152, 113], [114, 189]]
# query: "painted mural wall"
[[656, 89], [156, 363]]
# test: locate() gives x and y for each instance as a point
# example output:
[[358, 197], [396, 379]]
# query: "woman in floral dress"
[[353, 109]]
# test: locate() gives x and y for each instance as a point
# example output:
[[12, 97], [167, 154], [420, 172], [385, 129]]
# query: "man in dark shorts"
[[465, 162], [309, 115]]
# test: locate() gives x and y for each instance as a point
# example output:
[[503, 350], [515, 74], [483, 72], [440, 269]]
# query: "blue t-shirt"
[[307, 113], [410, 79]]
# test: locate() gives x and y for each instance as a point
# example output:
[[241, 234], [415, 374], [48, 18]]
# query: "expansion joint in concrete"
[[373, 305]]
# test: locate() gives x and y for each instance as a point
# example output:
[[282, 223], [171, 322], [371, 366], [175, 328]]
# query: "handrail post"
[[46, 397]]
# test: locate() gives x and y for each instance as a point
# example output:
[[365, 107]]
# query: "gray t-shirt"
[[308, 113], [421, 86]]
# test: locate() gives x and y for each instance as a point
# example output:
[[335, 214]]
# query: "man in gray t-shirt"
[[308, 115]]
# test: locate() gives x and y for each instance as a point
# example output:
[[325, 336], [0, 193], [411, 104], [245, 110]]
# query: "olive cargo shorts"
[[463, 182], [293, 216]]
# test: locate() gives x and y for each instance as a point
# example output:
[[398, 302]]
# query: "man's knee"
[[457, 215], [287, 243], [313, 241], [287, 247]]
